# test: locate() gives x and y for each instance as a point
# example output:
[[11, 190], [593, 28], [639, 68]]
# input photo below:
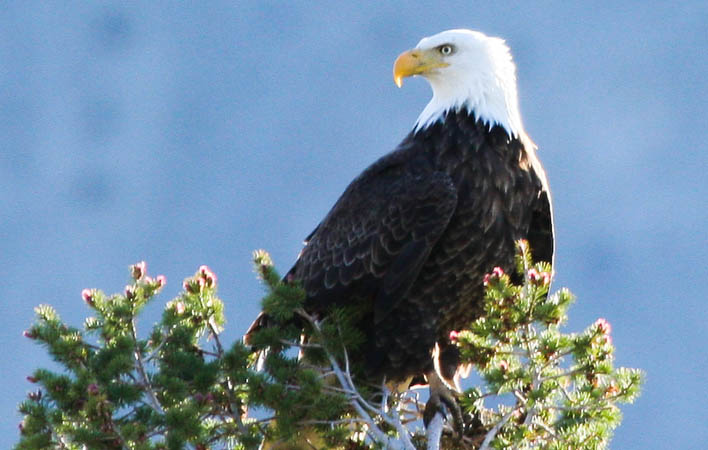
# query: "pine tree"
[[182, 387]]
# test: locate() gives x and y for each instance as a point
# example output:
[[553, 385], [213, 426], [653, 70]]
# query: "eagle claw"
[[443, 399]]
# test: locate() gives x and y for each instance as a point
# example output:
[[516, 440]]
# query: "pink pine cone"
[[138, 270], [87, 295], [603, 326]]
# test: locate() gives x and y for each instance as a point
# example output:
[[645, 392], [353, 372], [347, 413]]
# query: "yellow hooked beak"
[[416, 62]]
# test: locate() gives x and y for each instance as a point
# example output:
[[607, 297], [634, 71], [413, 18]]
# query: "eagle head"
[[466, 69]]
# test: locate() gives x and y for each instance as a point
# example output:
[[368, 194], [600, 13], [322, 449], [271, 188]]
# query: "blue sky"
[[191, 133]]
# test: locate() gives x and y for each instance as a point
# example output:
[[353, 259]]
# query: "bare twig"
[[555, 358], [345, 382], [548, 430], [152, 397], [157, 349], [358, 402], [433, 432], [384, 396], [226, 384], [535, 375], [402, 431], [153, 401], [562, 375], [299, 344], [330, 422], [58, 438], [491, 434], [566, 394]]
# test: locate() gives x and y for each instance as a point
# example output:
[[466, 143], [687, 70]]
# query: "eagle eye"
[[446, 49]]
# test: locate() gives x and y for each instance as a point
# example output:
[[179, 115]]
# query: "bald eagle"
[[411, 238]]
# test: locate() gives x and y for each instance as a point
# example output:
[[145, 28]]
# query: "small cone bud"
[[87, 295], [603, 326], [605, 339], [533, 275], [611, 390], [138, 270], [207, 275], [92, 389], [129, 291]]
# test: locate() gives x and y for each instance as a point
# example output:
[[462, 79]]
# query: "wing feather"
[[541, 229], [379, 234]]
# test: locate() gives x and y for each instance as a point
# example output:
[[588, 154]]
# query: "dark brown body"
[[412, 237]]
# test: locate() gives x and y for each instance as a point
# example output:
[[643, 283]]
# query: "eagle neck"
[[457, 127], [460, 141], [496, 105]]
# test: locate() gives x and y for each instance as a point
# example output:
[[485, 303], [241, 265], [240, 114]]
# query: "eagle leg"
[[443, 396]]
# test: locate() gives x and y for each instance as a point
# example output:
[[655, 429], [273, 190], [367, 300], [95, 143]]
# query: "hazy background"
[[191, 133]]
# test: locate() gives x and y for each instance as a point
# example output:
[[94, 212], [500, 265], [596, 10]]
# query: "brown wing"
[[372, 245], [540, 235]]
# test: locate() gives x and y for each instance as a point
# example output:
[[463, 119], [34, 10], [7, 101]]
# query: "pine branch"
[[433, 432], [173, 390], [358, 402], [154, 402], [495, 429]]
